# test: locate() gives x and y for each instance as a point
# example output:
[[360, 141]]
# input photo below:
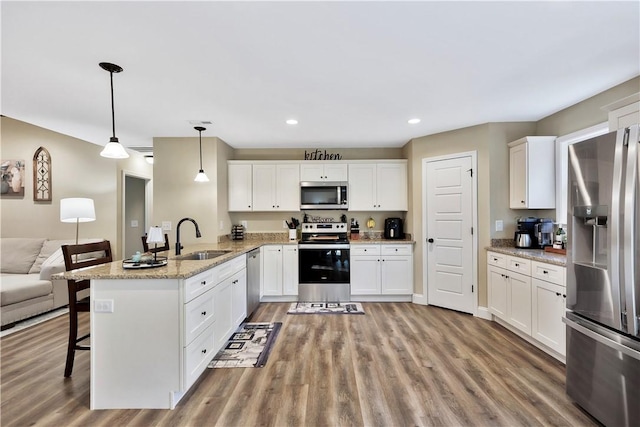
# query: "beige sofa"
[[26, 288]]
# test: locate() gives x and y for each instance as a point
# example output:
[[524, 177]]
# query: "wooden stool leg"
[[73, 336]]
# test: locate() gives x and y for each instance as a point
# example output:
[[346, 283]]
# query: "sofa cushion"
[[19, 254], [48, 248], [21, 287]]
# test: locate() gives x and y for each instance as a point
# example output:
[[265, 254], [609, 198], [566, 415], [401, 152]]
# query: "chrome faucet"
[[179, 247]]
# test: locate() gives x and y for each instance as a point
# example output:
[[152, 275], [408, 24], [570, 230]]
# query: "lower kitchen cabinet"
[[529, 296], [549, 302], [280, 270], [381, 269], [179, 323]]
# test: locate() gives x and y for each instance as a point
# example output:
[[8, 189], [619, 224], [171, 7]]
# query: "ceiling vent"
[[200, 122]]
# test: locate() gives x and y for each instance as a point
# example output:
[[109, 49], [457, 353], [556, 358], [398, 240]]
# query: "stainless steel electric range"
[[324, 263]]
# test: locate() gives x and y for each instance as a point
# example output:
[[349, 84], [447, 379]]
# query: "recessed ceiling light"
[[413, 121], [292, 122]]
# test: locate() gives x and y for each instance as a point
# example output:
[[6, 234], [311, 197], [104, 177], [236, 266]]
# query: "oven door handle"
[[322, 246]]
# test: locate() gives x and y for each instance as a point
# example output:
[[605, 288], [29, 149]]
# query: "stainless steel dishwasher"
[[253, 280]]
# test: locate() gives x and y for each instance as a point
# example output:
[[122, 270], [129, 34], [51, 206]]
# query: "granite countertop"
[[532, 254], [175, 269]]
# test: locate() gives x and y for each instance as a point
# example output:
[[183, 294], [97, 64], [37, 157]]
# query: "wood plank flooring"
[[401, 364]]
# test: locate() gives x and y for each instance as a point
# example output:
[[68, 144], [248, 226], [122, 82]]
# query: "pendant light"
[[201, 176], [113, 149]]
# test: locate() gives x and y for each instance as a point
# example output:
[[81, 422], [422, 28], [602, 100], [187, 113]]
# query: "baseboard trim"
[[420, 299], [483, 313]]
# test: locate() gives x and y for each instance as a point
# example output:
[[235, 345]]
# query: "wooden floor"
[[400, 364]]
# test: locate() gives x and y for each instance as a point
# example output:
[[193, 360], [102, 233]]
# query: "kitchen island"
[[154, 330]]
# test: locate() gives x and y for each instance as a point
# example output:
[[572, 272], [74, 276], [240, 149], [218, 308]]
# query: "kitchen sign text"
[[321, 155]]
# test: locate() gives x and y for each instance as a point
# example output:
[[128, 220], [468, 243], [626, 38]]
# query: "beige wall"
[[586, 113], [177, 196], [298, 153], [489, 141], [77, 171]]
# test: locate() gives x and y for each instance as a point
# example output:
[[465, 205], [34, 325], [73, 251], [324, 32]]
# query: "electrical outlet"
[[166, 225], [499, 225], [134, 223], [103, 306], [244, 224], [221, 225]]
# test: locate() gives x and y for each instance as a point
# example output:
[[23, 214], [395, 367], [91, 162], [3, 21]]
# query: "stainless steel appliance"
[[393, 228], [323, 195], [323, 256], [253, 281], [525, 233], [544, 232], [603, 277]]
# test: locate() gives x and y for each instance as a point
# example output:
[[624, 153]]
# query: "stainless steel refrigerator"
[[603, 277]]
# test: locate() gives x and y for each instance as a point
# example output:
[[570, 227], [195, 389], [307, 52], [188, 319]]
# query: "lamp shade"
[[114, 150], [77, 209], [155, 235], [201, 177]]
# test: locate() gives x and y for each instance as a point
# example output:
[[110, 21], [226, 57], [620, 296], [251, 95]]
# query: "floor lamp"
[[77, 209]]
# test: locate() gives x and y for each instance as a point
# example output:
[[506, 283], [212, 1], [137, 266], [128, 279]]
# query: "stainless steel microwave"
[[323, 195]]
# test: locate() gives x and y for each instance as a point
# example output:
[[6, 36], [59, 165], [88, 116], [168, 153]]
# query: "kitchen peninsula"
[[154, 330]]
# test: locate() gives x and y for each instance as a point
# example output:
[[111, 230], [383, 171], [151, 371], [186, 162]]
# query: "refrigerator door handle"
[[602, 339], [615, 275], [630, 321]]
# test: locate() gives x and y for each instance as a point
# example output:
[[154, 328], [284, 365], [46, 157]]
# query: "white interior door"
[[450, 215]]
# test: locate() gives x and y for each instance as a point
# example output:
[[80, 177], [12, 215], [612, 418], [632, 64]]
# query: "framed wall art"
[[12, 174], [42, 175]]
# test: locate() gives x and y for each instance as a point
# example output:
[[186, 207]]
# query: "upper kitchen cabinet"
[[316, 171], [276, 187], [532, 173], [240, 187], [378, 186], [624, 112]]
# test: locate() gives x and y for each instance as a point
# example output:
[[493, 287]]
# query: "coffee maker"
[[544, 232], [393, 228], [525, 236]]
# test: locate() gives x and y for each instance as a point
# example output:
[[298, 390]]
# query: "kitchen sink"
[[202, 255]]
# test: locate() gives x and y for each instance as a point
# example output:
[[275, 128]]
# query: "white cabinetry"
[[378, 186], [624, 112], [259, 186], [323, 171], [179, 323], [529, 296], [280, 270], [549, 301], [240, 187], [509, 286], [381, 269], [532, 173], [276, 187]]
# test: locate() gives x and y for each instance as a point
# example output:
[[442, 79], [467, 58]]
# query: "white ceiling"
[[352, 73]]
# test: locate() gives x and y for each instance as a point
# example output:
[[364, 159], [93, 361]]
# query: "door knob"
[[430, 240]]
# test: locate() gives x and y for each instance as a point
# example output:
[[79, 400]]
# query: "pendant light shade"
[[201, 176], [113, 149]]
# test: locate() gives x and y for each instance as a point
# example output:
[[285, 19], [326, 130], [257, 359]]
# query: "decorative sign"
[[12, 178], [321, 155], [41, 175]]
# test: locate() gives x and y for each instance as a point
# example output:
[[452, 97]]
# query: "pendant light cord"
[[200, 149], [113, 114]]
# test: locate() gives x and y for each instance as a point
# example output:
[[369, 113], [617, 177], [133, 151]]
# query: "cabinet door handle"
[[564, 296], [204, 282], [396, 249], [204, 313], [545, 272], [204, 351], [235, 281], [558, 294], [517, 265], [431, 241]]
